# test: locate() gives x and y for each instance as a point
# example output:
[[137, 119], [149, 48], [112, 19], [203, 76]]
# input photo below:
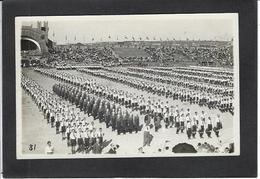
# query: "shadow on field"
[[106, 143]]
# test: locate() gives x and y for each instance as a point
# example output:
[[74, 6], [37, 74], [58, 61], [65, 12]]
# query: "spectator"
[[49, 149]]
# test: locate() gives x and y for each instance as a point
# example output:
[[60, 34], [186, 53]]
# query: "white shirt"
[[49, 149], [188, 125], [72, 135], [147, 129]]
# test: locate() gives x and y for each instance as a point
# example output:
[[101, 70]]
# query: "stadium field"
[[33, 122]]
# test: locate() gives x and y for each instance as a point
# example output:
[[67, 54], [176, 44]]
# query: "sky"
[[121, 28]]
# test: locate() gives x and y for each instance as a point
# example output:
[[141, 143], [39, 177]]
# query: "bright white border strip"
[[236, 118]]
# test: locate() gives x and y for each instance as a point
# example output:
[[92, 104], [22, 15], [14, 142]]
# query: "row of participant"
[[198, 76], [198, 71], [125, 120], [81, 133], [223, 103], [184, 120], [160, 115], [177, 80], [121, 119], [214, 70]]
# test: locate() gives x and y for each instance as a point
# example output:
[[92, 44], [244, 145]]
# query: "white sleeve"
[[45, 150]]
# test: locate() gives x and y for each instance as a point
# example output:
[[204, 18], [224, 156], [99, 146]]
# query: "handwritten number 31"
[[32, 147]]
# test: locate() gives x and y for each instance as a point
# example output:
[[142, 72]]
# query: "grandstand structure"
[[35, 43], [148, 53]]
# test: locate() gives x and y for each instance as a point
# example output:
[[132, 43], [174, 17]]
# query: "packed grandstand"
[[205, 53]]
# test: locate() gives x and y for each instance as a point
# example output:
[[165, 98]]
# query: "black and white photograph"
[[126, 86]]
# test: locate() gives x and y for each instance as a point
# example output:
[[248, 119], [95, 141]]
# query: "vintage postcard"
[[127, 86]]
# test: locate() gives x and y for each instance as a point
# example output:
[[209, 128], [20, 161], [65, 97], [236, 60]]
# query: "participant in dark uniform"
[[178, 123], [48, 113], [90, 106], [86, 140], [209, 127], [166, 120], [81, 102], [85, 106], [57, 124], [131, 123], [113, 119], [80, 141], [124, 122], [118, 123], [136, 123], [217, 125], [63, 128], [201, 128], [182, 122], [172, 116], [73, 141], [52, 116], [91, 139], [107, 117], [94, 136], [68, 132], [157, 123], [147, 119], [193, 127], [100, 135], [95, 110]]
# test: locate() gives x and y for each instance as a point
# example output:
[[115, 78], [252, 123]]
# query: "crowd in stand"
[[183, 90], [82, 54], [220, 55], [104, 54]]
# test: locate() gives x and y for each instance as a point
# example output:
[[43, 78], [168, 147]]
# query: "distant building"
[[36, 39]]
